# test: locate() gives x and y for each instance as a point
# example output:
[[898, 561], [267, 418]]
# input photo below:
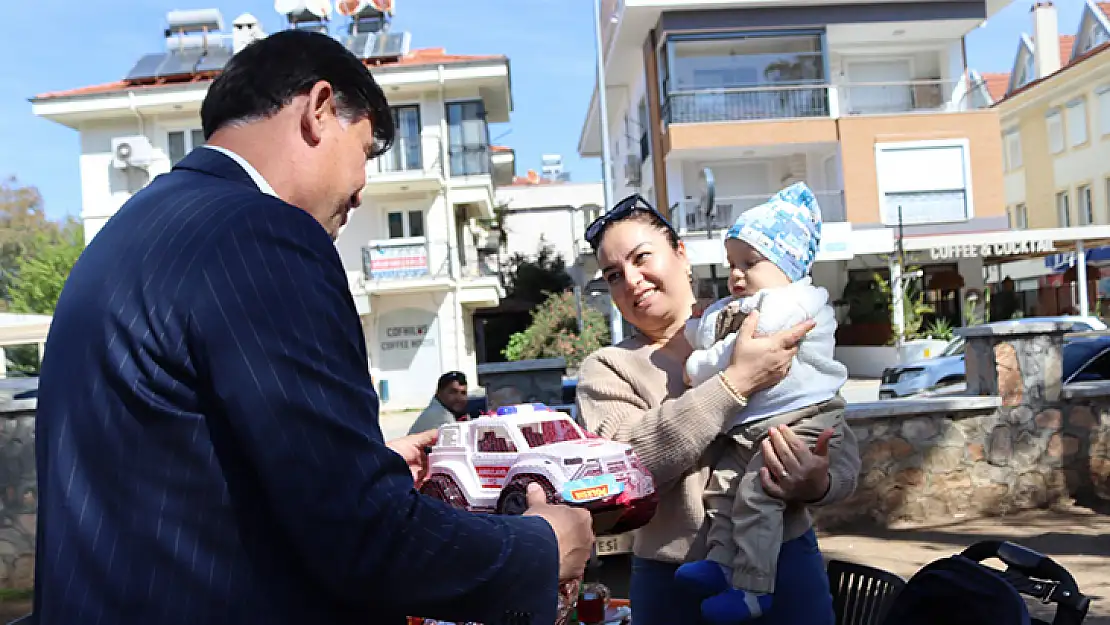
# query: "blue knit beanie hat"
[[786, 229]]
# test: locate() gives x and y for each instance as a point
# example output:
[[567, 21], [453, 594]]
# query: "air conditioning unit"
[[134, 151], [632, 171]]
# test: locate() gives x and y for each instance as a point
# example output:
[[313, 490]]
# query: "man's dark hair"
[[446, 379], [267, 74]]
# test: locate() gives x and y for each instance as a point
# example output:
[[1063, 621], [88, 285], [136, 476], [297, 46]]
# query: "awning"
[[19, 329]]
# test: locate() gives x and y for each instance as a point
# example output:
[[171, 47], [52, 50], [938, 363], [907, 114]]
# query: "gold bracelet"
[[737, 395]]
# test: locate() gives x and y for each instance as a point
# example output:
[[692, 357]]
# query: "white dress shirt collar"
[[263, 186]]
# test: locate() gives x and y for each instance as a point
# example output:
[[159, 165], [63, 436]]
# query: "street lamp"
[[616, 323]]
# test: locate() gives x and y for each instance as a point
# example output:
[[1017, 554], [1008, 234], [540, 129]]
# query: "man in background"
[[447, 406]]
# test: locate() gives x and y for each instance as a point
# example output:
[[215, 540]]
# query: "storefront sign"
[[1010, 248], [406, 337]]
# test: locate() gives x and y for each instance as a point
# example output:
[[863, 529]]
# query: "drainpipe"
[[135, 112], [452, 236]]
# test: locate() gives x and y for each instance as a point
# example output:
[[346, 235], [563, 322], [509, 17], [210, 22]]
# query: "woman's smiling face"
[[648, 277]]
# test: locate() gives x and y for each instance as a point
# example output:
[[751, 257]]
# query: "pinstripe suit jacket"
[[208, 441]]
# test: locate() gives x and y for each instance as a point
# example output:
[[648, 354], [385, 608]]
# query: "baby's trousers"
[[745, 523]]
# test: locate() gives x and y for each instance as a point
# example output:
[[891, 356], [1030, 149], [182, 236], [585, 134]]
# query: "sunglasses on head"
[[621, 211]]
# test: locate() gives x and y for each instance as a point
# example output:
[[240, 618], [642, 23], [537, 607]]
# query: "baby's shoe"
[[735, 606]]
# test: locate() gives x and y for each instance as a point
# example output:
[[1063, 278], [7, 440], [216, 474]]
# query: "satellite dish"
[[350, 7], [287, 7], [385, 6], [707, 191], [319, 8]]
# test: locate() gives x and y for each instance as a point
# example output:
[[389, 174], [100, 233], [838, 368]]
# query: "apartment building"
[[1054, 111], [414, 252]]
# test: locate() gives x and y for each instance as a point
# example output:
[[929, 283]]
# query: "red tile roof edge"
[[1076, 61], [415, 58]]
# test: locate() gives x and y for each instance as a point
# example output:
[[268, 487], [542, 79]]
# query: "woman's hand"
[[793, 472], [762, 361]]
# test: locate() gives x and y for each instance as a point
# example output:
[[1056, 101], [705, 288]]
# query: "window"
[[405, 155], [645, 124], [732, 76], [469, 138], [1013, 149], [1086, 210], [1055, 131], [1063, 209], [1077, 122], [1104, 110], [494, 439], [930, 181], [181, 142], [1021, 217], [542, 433], [405, 224]]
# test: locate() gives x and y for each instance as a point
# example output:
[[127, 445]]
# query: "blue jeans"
[[802, 594]]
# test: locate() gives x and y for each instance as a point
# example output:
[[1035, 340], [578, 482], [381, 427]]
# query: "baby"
[[770, 251]]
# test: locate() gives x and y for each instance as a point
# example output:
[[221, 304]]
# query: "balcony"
[[690, 217], [746, 104], [402, 169], [470, 159], [894, 98], [412, 263]]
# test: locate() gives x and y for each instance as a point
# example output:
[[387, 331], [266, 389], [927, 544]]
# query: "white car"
[[486, 464]]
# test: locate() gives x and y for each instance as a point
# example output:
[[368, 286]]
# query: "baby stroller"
[[961, 590]]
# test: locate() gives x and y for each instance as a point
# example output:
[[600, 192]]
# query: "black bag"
[[960, 590]]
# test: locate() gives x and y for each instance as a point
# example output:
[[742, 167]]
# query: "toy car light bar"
[[591, 488], [523, 409]]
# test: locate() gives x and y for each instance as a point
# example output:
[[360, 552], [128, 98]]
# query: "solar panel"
[[357, 44], [214, 59], [146, 67], [180, 63], [389, 45]]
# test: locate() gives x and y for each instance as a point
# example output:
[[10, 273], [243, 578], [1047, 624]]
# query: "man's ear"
[[319, 105]]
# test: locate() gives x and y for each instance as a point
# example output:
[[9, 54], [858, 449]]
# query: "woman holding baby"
[[688, 410]]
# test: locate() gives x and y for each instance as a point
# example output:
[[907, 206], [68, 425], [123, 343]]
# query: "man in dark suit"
[[208, 441]]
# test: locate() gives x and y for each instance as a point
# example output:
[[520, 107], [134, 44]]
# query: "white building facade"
[[411, 251]]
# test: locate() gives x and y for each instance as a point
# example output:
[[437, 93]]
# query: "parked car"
[[948, 369], [476, 405], [487, 463]]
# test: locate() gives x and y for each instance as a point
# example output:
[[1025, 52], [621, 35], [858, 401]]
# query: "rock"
[[945, 459], [1009, 374], [976, 452], [1054, 448], [1070, 445], [1049, 419], [23, 573], [873, 479], [910, 477], [1031, 491], [1027, 450], [919, 429], [1080, 417], [1001, 446], [1020, 415], [951, 436]]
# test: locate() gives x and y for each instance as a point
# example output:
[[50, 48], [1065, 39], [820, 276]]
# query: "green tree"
[[40, 275], [532, 279], [23, 225], [553, 332]]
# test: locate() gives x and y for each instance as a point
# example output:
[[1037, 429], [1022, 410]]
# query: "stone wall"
[[18, 498], [1018, 439]]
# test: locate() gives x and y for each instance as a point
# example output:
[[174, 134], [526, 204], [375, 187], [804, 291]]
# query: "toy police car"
[[486, 464]]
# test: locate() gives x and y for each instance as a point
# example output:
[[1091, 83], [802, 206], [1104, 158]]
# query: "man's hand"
[[759, 362], [573, 531], [793, 472], [412, 449]]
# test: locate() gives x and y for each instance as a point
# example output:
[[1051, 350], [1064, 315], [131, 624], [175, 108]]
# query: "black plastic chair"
[[861, 594]]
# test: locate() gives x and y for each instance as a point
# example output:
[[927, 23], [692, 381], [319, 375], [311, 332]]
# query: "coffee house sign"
[[979, 250]]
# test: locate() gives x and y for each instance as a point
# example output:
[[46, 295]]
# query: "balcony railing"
[[405, 155], [748, 103], [690, 217], [885, 98], [771, 102], [470, 160], [413, 258]]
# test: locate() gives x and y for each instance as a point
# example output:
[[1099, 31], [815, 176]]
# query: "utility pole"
[[616, 323], [897, 287]]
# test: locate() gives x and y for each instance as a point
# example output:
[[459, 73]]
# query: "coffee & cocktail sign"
[[979, 250]]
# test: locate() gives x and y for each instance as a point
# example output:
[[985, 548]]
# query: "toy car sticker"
[[591, 488], [492, 476]]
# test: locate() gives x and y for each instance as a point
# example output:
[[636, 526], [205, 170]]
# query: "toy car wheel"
[[444, 489], [514, 496]]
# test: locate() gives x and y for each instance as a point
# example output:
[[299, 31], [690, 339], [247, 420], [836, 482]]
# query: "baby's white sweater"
[[815, 376]]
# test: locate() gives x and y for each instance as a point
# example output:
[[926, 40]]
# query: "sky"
[[550, 45]]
